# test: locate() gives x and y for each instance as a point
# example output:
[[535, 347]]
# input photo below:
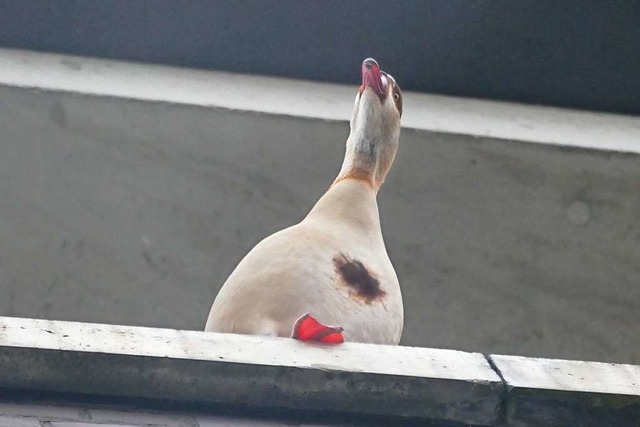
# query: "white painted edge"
[[241, 349], [569, 375], [435, 113]]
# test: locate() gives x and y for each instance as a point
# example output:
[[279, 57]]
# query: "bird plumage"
[[333, 264]]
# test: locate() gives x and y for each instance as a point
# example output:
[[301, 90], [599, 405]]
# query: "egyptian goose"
[[333, 266]]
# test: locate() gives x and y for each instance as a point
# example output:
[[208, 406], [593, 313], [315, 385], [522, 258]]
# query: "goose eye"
[[397, 99]]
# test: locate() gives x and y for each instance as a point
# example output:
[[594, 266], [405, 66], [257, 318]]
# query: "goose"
[[332, 268]]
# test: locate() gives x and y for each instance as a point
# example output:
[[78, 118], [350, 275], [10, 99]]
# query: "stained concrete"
[[70, 413], [256, 376], [548, 392], [134, 212], [240, 370]]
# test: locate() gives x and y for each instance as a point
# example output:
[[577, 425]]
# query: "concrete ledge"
[[443, 385], [548, 392]]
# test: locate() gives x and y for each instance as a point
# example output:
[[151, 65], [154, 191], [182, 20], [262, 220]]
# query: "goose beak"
[[372, 78]]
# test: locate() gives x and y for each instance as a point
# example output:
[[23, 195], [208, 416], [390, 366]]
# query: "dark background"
[[579, 54]]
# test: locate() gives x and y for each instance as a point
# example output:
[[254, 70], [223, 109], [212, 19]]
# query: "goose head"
[[375, 127]]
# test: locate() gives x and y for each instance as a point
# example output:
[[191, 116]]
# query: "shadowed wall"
[[132, 212]]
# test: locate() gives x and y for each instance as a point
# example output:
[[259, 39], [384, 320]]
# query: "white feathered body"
[[333, 265]]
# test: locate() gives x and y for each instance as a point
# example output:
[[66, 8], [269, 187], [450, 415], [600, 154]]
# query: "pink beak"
[[371, 77]]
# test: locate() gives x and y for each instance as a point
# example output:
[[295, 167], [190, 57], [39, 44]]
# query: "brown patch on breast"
[[362, 284]]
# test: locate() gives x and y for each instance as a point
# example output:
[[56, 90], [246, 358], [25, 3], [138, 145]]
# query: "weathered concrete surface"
[[546, 392], [435, 113], [67, 412], [444, 385], [133, 212]]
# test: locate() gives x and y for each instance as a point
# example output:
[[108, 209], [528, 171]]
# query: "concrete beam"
[[442, 385], [433, 113], [549, 392]]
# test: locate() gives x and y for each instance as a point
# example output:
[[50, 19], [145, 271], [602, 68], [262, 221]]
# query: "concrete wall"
[[133, 212]]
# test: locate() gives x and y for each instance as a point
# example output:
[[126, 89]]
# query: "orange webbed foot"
[[307, 328]]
